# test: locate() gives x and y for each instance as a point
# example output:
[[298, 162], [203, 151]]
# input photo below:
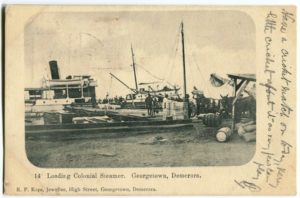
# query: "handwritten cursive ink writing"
[[248, 185]]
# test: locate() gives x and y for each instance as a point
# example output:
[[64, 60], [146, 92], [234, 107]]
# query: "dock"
[[132, 127]]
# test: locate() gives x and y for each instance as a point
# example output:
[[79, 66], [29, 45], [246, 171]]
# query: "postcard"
[[150, 100]]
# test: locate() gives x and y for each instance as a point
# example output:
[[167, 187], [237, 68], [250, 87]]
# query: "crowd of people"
[[115, 100]]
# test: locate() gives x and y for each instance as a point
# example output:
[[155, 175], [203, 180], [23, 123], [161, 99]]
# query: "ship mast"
[[183, 63], [133, 65]]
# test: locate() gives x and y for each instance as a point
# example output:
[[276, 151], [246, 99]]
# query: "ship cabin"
[[73, 89]]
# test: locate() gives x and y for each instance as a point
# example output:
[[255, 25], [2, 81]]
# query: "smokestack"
[[54, 70]]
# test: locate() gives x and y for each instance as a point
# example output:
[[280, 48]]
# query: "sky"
[[98, 43]]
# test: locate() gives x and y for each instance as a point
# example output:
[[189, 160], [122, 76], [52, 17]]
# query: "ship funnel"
[[54, 69]]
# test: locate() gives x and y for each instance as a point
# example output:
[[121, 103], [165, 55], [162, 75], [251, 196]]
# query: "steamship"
[[56, 92]]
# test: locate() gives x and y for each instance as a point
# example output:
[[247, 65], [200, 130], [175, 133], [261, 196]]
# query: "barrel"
[[212, 120], [223, 134]]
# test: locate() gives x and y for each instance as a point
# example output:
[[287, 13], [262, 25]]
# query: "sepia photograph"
[[150, 100], [140, 89]]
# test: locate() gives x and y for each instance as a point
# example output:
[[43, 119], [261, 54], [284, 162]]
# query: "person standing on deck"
[[154, 106], [94, 101], [148, 102], [165, 101], [189, 106]]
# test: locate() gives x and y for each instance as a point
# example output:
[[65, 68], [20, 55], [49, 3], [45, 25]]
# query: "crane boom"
[[122, 83]]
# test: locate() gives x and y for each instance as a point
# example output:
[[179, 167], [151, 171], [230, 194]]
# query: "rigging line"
[[193, 59], [154, 75], [175, 43], [195, 62], [147, 71], [198, 68], [110, 85], [171, 64], [189, 65], [190, 69]]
